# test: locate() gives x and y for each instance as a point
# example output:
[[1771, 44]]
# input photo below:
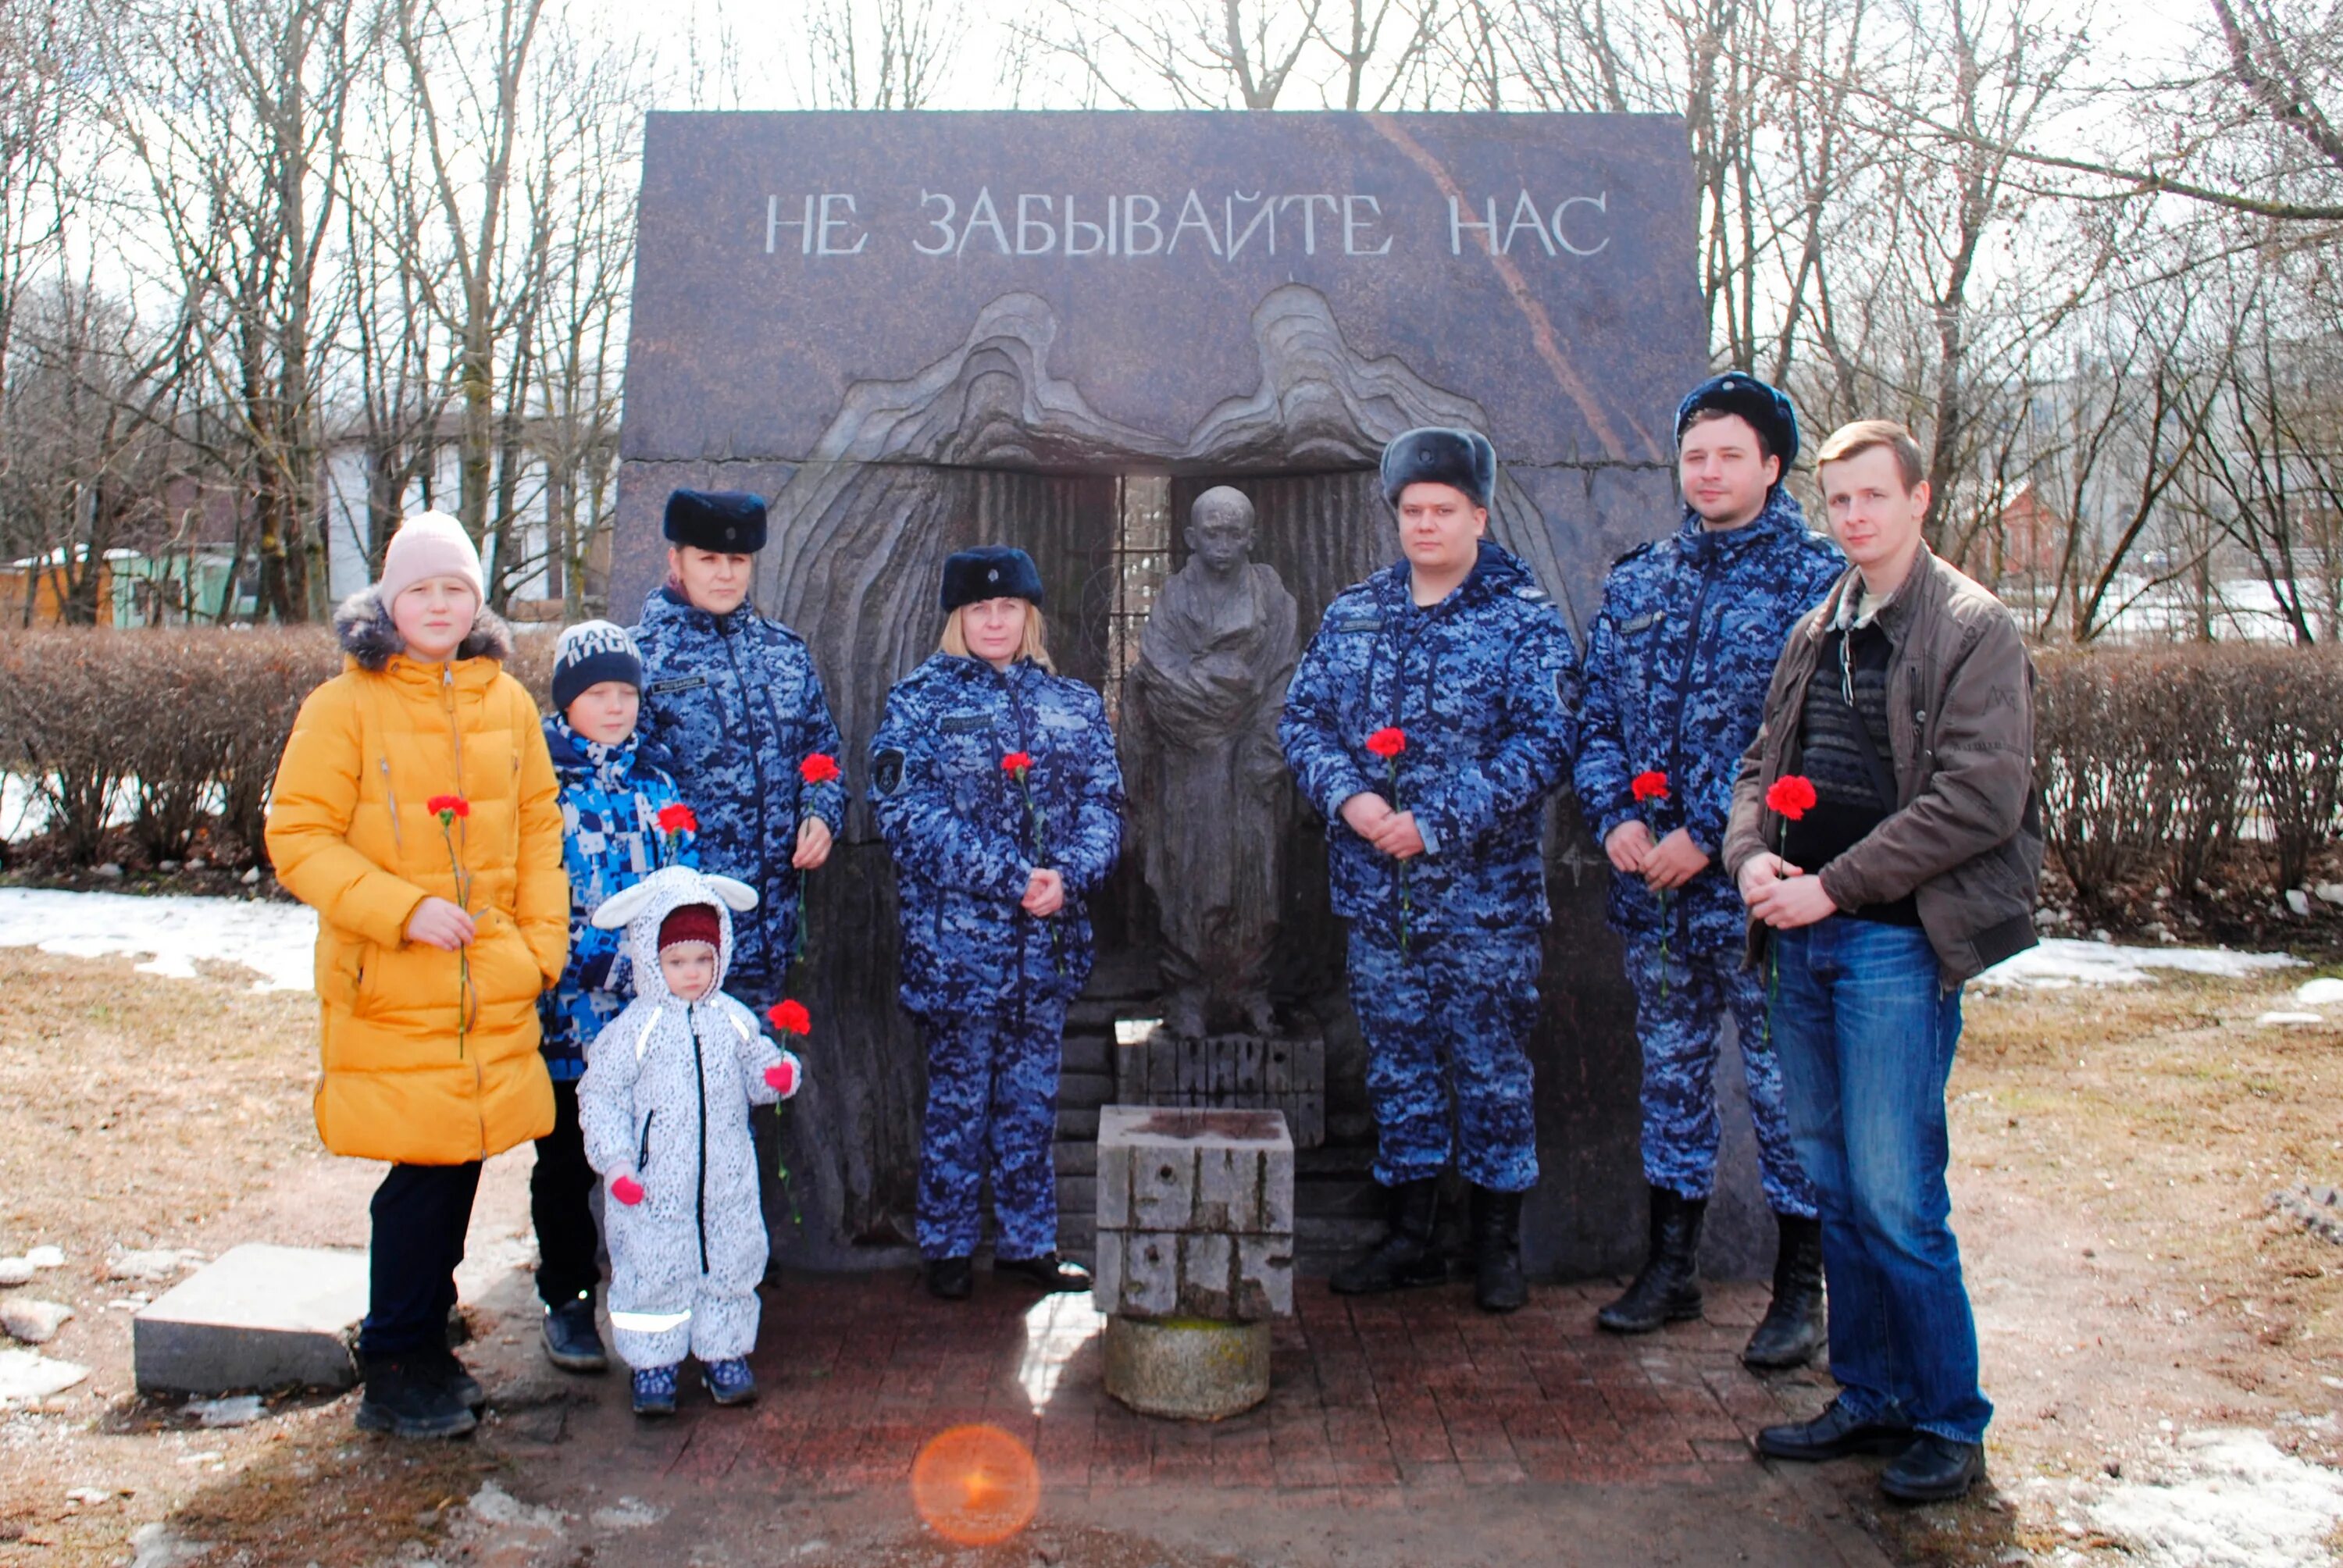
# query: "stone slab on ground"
[[261, 1316]]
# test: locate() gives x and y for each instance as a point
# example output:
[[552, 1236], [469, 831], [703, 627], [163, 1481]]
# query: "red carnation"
[[790, 1017], [1017, 763], [627, 1191], [677, 817], [1649, 786], [1790, 796], [819, 767], [448, 806], [1389, 741]]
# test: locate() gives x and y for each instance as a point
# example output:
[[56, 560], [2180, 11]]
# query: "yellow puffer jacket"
[[350, 836]]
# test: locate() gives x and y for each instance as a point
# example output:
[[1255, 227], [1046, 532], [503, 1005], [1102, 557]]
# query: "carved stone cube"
[[1195, 1214]]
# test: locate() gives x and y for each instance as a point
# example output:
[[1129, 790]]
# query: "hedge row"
[[2152, 762], [2158, 762], [177, 730]]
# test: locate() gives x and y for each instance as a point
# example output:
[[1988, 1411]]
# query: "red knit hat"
[[692, 923]]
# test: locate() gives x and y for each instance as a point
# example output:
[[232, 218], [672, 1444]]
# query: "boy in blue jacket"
[[622, 818]]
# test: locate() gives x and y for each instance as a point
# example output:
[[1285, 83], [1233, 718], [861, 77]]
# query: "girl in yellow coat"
[[417, 811]]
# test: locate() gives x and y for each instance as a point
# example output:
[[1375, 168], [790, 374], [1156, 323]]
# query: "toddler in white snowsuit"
[[664, 1106]]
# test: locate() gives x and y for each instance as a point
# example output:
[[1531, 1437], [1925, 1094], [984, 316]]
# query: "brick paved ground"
[[1399, 1431], [1416, 1396]]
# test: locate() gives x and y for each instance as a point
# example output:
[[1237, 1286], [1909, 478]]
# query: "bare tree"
[[234, 112]]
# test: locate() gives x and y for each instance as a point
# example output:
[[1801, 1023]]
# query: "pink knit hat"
[[429, 545]]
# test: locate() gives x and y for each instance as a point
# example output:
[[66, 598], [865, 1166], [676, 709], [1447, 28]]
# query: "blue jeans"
[[1865, 1031]]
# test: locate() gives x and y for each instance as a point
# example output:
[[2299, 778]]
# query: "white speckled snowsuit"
[[666, 1099]]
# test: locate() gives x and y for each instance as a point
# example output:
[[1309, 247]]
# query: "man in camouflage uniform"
[[734, 701], [1676, 669], [1433, 851]]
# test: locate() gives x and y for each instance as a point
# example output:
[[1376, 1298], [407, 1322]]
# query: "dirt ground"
[[2113, 1154]]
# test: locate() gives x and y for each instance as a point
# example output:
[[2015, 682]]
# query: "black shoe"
[[1049, 1271], [1794, 1327], [950, 1279], [1933, 1469], [1834, 1435], [1497, 1282], [571, 1342], [1405, 1256], [441, 1364], [410, 1396], [1669, 1290]]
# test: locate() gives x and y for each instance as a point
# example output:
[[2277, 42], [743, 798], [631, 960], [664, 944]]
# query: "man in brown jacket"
[[1884, 837]]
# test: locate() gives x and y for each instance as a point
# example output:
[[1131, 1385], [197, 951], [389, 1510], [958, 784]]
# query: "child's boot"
[[407, 1396], [730, 1382], [571, 1342], [655, 1390]]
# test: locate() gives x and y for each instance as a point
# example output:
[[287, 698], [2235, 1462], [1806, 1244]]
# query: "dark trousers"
[[558, 1190], [420, 1214]]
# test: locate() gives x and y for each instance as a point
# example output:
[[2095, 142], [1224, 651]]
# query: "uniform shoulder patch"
[[887, 770], [1532, 594]]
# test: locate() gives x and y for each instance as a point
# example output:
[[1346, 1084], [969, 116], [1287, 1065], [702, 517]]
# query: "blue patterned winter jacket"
[[1484, 685], [967, 836], [735, 702], [612, 797], [1677, 664]]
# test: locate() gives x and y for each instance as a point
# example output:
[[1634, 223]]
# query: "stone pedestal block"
[[1195, 1214], [1189, 1369], [259, 1317]]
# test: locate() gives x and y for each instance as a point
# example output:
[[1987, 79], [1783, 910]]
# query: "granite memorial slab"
[[913, 332]]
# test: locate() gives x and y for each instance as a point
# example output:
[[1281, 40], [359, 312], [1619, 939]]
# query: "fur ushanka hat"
[[989, 571], [1461, 459]]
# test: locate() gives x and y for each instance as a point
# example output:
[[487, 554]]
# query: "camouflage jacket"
[[1484, 686], [1677, 668], [735, 700], [610, 798], [967, 836]]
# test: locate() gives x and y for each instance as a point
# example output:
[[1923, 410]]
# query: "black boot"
[[409, 1396], [950, 1279], [1669, 1290], [1049, 1271], [572, 1341], [1497, 1282], [1794, 1327], [1405, 1255]]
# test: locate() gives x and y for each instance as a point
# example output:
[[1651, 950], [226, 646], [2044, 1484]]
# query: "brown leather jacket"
[[1966, 839]]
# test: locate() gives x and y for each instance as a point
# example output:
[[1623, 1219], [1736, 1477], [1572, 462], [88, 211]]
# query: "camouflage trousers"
[[1445, 1024], [993, 1102], [1681, 1032]]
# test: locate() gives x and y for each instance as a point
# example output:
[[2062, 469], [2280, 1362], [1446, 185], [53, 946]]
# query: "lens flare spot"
[[975, 1486]]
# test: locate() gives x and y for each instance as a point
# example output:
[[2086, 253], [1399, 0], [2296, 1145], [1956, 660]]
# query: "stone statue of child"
[[1200, 710]]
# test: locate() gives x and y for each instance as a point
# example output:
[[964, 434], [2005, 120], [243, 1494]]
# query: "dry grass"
[[134, 1108]]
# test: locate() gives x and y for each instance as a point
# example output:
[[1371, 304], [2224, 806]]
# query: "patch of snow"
[[2063, 962], [29, 1374], [236, 1410], [2243, 1503], [632, 1513], [47, 1256], [170, 933], [157, 1547], [2324, 991], [2283, 1018]]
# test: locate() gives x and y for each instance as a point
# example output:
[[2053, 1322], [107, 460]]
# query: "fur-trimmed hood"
[[362, 624]]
